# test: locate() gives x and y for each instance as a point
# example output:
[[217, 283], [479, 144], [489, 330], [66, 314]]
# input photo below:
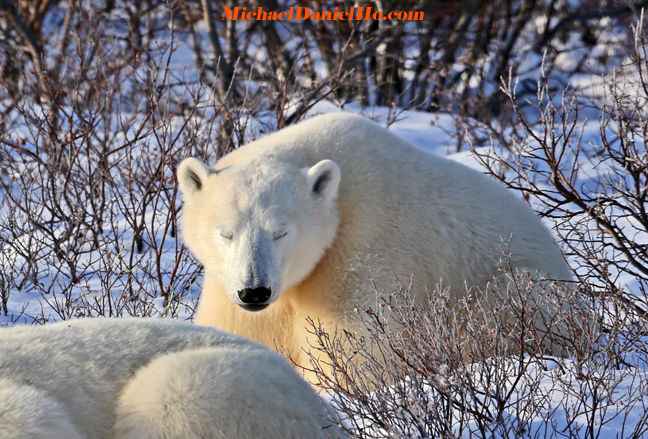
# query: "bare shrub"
[[589, 178], [450, 60], [88, 214], [454, 372]]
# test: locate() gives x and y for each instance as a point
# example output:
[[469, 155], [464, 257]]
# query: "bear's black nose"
[[254, 296]]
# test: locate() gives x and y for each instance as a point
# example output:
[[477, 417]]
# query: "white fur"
[[146, 379], [385, 211], [29, 413], [263, 400]]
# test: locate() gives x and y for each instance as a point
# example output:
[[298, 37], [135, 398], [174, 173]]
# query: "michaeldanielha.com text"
[[305, 13]]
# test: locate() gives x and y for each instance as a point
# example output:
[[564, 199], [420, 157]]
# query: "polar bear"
[[146, 379], [307, 221]]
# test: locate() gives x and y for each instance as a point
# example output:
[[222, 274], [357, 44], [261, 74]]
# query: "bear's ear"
[[324, 179], [191, 176]]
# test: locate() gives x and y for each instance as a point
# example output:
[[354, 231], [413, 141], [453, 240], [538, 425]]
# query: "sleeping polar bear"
[[145, 379], [316, 220]]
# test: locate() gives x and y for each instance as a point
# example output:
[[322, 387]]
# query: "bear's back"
[[99, 343], [85, 362], [392, 194]]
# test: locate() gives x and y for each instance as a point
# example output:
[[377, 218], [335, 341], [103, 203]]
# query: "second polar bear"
[[306, 221], [149, 379]]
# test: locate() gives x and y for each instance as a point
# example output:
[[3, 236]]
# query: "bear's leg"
[[29, 413], [221, 392]]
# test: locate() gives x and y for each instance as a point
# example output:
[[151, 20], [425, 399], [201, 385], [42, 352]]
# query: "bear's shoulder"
[[341, 136]]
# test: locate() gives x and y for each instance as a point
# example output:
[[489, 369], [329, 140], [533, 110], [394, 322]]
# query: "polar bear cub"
[[146, 379]]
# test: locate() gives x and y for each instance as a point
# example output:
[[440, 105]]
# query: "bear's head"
[[260, 227]]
